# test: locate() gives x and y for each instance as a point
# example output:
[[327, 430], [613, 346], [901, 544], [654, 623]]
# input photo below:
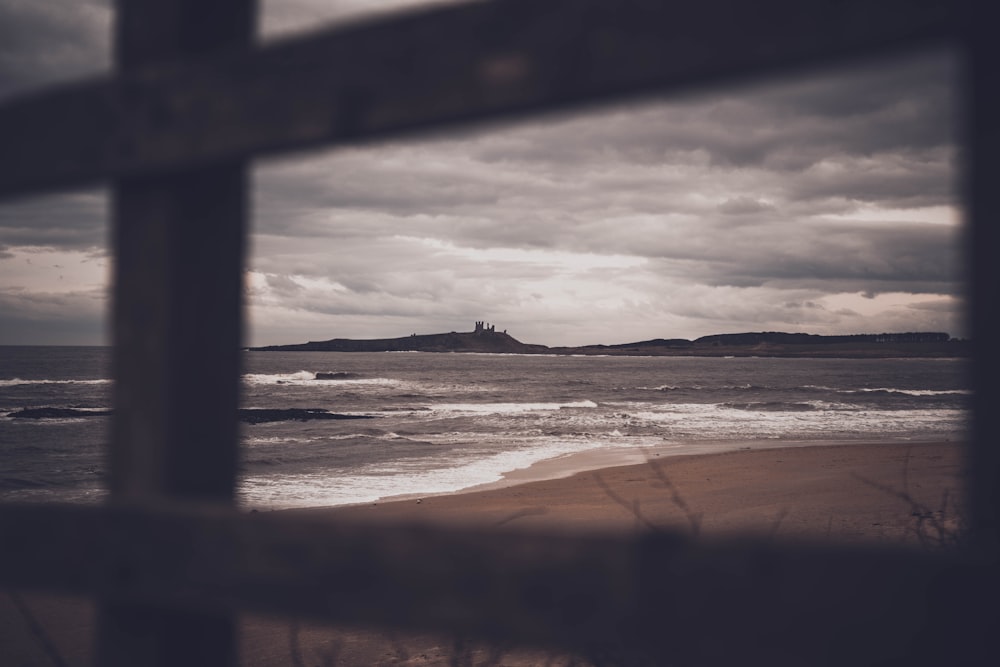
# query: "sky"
[[825, 202]]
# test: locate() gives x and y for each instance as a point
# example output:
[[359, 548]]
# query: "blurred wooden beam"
[[658, 599], [981, 135], [427, 69], [179, 241]]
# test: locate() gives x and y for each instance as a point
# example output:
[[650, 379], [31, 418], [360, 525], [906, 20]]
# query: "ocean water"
[[438, 423]]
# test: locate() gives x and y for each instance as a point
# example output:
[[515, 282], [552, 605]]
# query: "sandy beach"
[[882, 493], [844, 492]]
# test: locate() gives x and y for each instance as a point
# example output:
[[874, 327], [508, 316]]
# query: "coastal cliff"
[[485, 339]]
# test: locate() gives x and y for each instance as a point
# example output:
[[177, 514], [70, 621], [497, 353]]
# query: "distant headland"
[[484, 338]]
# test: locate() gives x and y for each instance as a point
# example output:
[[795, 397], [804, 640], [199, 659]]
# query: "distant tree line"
[[815, 339]]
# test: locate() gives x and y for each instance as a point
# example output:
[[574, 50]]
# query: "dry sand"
[[857, 493]]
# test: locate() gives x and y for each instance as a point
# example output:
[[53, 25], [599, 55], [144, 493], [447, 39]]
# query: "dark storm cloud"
[[41, 44], [47, 318], [780, 124], [891, 141], [901, 179], [44, 42], [72, 221], [911, 257]]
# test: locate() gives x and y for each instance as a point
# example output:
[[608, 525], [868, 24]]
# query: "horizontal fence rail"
[[655, 599], [427, 69]]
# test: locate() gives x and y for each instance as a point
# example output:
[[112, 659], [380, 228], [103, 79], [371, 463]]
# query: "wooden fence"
[[193, 99]]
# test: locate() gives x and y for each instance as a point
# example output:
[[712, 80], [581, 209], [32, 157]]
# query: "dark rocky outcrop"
[[247, 415], [657, 346], [57, 413], [339, 375], [781, 338], [266, 415]]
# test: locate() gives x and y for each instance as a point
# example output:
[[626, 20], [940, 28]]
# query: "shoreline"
[[568, 465]]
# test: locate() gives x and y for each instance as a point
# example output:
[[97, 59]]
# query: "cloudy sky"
[[824, 203]]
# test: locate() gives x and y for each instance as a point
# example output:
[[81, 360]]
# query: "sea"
[[439, 423]]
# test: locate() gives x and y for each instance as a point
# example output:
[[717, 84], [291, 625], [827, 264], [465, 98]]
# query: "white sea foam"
[[507, 408], [18, 381], [255, 440], [719, 421], [45, 423], [891, 390], [322, 438], [401, 477], [918, 392], [279, 378], [308, 378]]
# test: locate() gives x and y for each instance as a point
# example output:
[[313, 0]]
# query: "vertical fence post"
[[982, 144], [179, 251]]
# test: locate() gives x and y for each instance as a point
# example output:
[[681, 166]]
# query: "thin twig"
[[922, 513], [777, 523], [330, 655], [460, 653], [494, 656], [402, 655], [633, 507], [293, 644], [536, 510], [906, 471], [37, 630], [677, 498]]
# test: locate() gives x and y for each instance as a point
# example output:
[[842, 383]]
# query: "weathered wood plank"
[[658, 599], [179, 243], [442, 66], [982, 140]]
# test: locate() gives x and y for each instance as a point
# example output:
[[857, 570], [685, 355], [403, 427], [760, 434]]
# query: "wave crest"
[[509, 408]]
